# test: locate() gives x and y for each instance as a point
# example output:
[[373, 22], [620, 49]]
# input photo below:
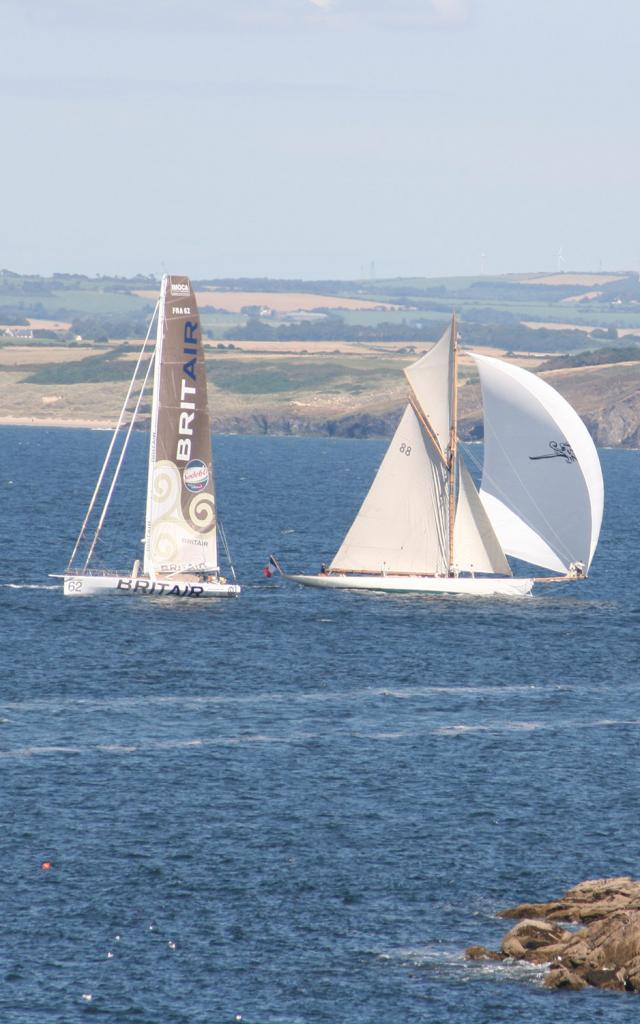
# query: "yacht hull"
[[93, 586], [472, 587]]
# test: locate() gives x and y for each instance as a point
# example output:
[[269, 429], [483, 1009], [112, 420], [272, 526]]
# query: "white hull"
[[91, 586], [472, 587]]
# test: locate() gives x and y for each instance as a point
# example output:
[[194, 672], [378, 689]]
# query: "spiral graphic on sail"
[[164, 543], [202, 513], [165, 489]]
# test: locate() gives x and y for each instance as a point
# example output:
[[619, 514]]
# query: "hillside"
[[292, 367], [335, 393]]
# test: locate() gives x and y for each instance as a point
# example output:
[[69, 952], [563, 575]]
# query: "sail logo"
[[179, 289], [559, 450], [195, 476], [187, 391]]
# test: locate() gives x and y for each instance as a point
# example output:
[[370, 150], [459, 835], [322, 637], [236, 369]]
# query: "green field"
[[71, 303], [334, 375], [109, 308], [241, 376]]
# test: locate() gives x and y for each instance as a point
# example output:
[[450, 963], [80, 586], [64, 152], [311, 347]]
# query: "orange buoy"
[[46, 865]]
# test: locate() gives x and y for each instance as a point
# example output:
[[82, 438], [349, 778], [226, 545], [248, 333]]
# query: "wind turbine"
[[560, 260]]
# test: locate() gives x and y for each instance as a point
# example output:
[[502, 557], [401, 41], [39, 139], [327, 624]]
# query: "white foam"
[[570, 725], [31, 586], [448, 730], [498, 690], [91, 704], [443, 960], [454, 730], [382, 735], [151, 745]]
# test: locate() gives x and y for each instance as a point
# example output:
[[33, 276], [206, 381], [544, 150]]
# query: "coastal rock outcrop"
[[604, 953]]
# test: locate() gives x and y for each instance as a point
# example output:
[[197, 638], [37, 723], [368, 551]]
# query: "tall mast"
[[453, 437], [153, 428]]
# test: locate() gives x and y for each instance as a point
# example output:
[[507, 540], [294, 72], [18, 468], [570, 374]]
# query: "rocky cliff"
[[603, 952], [606, 397]]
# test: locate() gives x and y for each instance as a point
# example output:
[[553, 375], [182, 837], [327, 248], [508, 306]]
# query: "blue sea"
[[298, 807]]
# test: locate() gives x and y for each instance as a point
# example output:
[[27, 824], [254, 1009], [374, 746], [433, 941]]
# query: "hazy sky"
[[313, 137]]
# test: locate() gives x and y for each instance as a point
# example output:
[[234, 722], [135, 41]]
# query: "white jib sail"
[[431, 380], [402, 525], [475, 545], [541, 481]]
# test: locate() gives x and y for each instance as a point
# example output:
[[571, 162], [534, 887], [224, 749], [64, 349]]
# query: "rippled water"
[[298, 807]]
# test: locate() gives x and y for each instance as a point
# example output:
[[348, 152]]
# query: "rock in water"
[[482, 953], [561, 977], [588, 901], [530, 940], [605, 953]]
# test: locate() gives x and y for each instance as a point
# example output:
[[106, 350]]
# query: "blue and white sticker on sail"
[[195, 475]]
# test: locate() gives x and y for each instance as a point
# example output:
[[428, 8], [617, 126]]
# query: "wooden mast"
[[453, 438]]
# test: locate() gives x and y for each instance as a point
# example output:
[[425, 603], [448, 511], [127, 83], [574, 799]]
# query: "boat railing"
[[97, 572]]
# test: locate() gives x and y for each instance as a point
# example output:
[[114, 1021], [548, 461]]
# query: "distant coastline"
[[322, 359], [45, 421], [356, 428]]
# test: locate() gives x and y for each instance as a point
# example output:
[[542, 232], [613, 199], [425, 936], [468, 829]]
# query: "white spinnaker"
[[402, 525], [431, 380], [475, 545], [541, 481]]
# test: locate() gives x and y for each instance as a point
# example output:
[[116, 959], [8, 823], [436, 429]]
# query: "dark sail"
[[181, 516]]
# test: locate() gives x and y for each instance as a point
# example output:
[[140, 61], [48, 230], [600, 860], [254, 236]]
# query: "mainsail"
[[402, 525], [541, 482], [405, 522], [181, 517]]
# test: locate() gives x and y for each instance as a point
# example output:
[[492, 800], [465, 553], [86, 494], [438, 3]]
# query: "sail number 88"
[[405, 448]]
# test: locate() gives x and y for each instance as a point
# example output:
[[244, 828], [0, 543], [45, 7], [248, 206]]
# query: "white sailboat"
[[424, 527], [182, 526]]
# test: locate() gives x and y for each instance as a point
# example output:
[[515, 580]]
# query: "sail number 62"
[[405, 448]]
